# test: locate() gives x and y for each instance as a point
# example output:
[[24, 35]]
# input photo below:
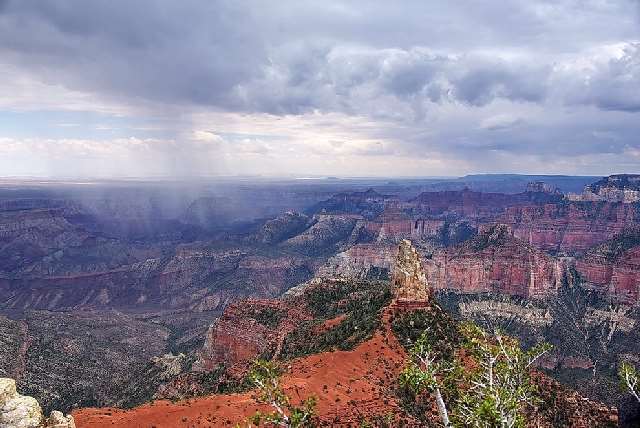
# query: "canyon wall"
[[617, 276], [201, 280], [476, 205], [247, 330], [571, 227], [496, 262], [493, 261]]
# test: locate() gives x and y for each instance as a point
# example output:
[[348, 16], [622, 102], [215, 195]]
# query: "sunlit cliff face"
[[327, 88]]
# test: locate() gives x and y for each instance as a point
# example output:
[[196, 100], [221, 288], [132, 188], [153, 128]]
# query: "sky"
[[165, 88]]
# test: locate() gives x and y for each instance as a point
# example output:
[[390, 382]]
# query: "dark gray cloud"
[[543, 78], [288, 54], [168, 51], [483, 82]]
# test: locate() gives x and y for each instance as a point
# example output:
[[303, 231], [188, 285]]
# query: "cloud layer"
[[332, 87]]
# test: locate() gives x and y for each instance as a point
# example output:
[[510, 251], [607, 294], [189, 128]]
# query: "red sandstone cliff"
[[614, 268], [571, 227], [248, 330], [494, 261]]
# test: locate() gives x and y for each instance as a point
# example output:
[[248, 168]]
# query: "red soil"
[[347, 384], [329, 324]]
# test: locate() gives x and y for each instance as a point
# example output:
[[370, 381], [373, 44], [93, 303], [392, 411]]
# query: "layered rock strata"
[[617, 275], [248, 330], [495, 261], [569, 228]]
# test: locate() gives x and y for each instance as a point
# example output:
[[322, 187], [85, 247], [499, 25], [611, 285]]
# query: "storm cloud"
[[388, 88]]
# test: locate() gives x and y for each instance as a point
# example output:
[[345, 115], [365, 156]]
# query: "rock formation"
[[246, 330], [541, 187], [614, 267], [571, 227], [20, 411], [409, 281], [615, 188], [495, 261]]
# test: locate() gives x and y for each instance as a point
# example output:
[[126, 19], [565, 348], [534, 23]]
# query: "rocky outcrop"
[[20, 411], [409, 281], [282, 227], [247, 330], [614, 268], [58, 420], [495, 261], [615, 188], [569, 228]]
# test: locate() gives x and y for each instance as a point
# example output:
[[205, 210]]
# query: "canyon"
[[177, 298]]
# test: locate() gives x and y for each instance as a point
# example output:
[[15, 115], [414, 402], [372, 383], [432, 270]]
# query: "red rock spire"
[[409, 280]]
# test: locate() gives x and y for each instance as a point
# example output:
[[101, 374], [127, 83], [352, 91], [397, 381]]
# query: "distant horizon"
[[292, 177]]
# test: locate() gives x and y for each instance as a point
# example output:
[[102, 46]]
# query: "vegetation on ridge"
[[484, 383], [358, 302]]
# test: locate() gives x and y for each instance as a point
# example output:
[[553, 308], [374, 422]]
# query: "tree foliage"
[[630, 379], [486, 383], [265, 375]]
